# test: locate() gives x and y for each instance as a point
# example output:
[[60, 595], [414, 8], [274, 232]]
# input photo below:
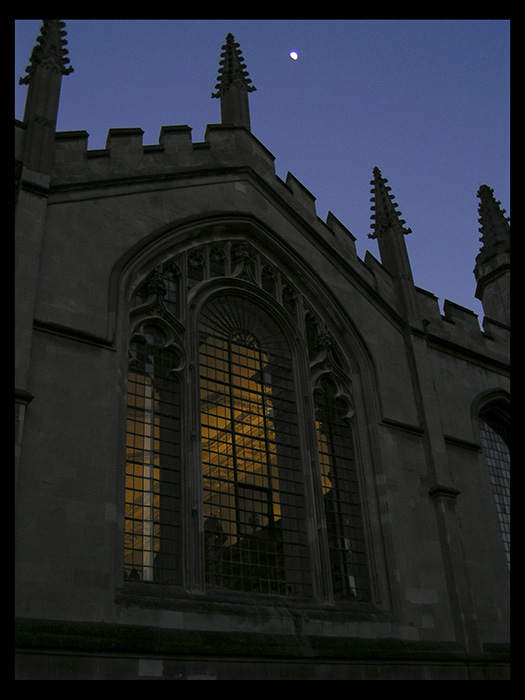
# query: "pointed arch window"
[[240, 412], [494, 428]]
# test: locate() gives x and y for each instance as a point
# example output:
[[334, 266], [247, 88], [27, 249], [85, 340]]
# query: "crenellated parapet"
[[225, 151], [457, 327], [174, 153], [447, 325]]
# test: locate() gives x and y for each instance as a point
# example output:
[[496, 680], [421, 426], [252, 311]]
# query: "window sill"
[[228, 602]]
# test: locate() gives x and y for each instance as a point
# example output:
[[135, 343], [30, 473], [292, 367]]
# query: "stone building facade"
[[242, 452]]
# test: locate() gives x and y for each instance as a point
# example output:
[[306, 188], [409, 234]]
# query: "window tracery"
[[253, 437]]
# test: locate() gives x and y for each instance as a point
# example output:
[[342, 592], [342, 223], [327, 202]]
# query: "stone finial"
[[233, 85], [492, 269], [385, 216], [390, 230], [494, 225], [232, 71], [50, 50]]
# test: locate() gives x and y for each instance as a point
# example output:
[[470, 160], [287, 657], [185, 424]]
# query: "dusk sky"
[[426, 101]]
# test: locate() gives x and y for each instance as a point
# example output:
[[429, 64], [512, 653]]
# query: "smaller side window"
[[495, 440], [153, 508]]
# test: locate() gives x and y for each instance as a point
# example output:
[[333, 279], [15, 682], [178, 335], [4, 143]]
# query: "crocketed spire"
[[50, 50], [47, 66], [492, 269], [385, 216], [390, 230], [494, 225], [232, 71], [233, 85]]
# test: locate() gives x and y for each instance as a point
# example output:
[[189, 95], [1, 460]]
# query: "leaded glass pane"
[[152, 547], [253, 497], [497, 456]]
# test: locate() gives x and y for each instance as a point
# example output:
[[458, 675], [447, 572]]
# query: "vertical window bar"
[[148, 463]]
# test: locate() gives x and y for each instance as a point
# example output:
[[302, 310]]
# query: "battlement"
[[456, 325], [127, 158], [175, 151], [460, 326]]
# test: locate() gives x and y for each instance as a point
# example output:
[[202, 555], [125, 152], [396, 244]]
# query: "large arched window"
[[494, 428], [239, 409]]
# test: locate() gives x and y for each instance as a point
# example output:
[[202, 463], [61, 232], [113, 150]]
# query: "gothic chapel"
[[242, 452]]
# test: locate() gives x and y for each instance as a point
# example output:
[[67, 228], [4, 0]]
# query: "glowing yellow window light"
[[237, 432], [142, 478]]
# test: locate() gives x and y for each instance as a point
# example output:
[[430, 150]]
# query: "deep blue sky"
[[426, 101]]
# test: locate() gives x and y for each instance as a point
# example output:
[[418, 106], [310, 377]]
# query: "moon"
[[294, 55]]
